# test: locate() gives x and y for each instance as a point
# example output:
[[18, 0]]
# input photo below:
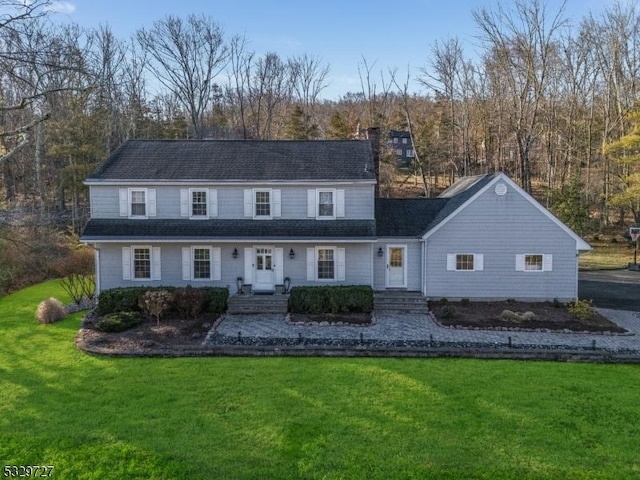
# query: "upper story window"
[[404, 140], [399, 151], [410, 153], [198, 203], [262, 203], [137, 202], [326, 204], [395, 139]]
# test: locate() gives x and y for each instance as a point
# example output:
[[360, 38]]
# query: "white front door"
[[396, 266], [264, 277]]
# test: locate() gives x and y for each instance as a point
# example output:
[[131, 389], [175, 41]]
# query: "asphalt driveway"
[[615, 289]]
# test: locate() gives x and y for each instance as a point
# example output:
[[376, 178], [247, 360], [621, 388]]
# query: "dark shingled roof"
[[116, 228], [251, 160], [413, 217]]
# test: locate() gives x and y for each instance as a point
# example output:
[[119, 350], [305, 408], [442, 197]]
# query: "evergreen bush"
[[331, 299]]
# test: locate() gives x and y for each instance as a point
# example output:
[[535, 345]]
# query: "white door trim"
[[388, 278], [259, 276]]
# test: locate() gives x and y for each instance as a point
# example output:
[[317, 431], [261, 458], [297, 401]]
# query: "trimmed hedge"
[[127, 299], [331, 299]]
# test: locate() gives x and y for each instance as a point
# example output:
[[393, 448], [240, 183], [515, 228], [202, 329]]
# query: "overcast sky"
[[341, 33]]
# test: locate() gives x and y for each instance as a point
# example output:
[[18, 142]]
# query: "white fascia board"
[[147, 240], [124, 183], [581, 245], [401, 240]]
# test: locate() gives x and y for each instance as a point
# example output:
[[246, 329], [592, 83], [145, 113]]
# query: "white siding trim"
[[547, 263], [478, 262], [451, 261], [519, 262], [151, 202]]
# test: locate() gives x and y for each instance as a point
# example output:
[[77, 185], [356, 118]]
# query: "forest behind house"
[[552, 101]]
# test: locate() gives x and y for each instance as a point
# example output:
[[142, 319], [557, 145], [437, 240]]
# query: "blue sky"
[[341, 33]]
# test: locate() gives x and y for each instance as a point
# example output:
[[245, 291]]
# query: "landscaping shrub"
[[50, 310], [215, 299], [120, 300], [188, 301], [331, 299], [155, 303], [465, 302], [447, 312], [119, 322], [581, 309]]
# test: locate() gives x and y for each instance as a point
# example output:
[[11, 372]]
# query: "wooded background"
[[552, 104]]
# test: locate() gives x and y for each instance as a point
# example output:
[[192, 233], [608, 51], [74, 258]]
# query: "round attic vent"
[[501, 189]]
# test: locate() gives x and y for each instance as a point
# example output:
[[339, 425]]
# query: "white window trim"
[[154, 258], [193, 263], [547, 263], [207, 203], [339, 264], [404, 140], [335, 264], [335, 203], [410, 153], [262, 217], [478, 262], [146, 202]]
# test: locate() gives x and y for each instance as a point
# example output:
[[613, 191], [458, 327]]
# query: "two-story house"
[[174, 212]]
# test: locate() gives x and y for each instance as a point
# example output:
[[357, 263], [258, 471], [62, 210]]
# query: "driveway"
[[614, 289]]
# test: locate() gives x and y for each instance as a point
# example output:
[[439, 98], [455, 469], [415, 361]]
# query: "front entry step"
[[256, 304], [400, 301]]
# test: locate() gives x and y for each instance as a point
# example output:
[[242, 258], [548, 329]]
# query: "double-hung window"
[[326, 204], [138, 202], [199, 202], [140, 263], [326, 264], [202, 263], [263, 203]]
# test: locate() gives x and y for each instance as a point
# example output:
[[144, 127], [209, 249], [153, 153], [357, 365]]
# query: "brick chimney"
[[373, 135]]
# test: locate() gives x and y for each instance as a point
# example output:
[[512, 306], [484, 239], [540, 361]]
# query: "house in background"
[[400, 144], [174, 212]]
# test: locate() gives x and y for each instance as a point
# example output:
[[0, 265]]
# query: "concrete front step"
[[400, 300], [249, 304]]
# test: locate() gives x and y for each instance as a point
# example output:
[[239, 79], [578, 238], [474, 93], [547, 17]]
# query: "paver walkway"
[[394, 326]]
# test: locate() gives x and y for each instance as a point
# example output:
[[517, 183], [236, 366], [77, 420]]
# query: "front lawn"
[[315, 418]]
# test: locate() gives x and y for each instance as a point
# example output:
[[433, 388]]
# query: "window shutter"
[[311, 203], [311, 264], [340, 203], [276, 194], [248, 202], [155, 264], [547, 263], [248, 265], [278, 266], [340, 263], [451, 261], [126, 263], [186, 263], [151, 202], [216, 264], [124, 202], [519, 262], [213, 202], [184, 202], [478, 262]]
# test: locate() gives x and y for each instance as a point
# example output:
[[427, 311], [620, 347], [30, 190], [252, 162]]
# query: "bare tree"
[[186, 57]]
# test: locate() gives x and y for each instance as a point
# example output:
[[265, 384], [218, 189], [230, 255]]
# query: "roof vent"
[[501, 189]]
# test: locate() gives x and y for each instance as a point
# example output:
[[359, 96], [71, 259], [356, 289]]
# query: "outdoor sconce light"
[[287, 284], [380, 252], [292, 254], [235, 253], [239, 284]]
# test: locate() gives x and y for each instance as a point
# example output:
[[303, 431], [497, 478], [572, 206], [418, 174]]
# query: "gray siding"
[[414, 264], [359, 202], [357, 265], [500, 227]]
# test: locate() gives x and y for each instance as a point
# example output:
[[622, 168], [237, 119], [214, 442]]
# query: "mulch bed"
[[547, 317]]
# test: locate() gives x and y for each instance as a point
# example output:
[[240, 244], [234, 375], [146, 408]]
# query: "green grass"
[[313, 418], [609, 252]]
